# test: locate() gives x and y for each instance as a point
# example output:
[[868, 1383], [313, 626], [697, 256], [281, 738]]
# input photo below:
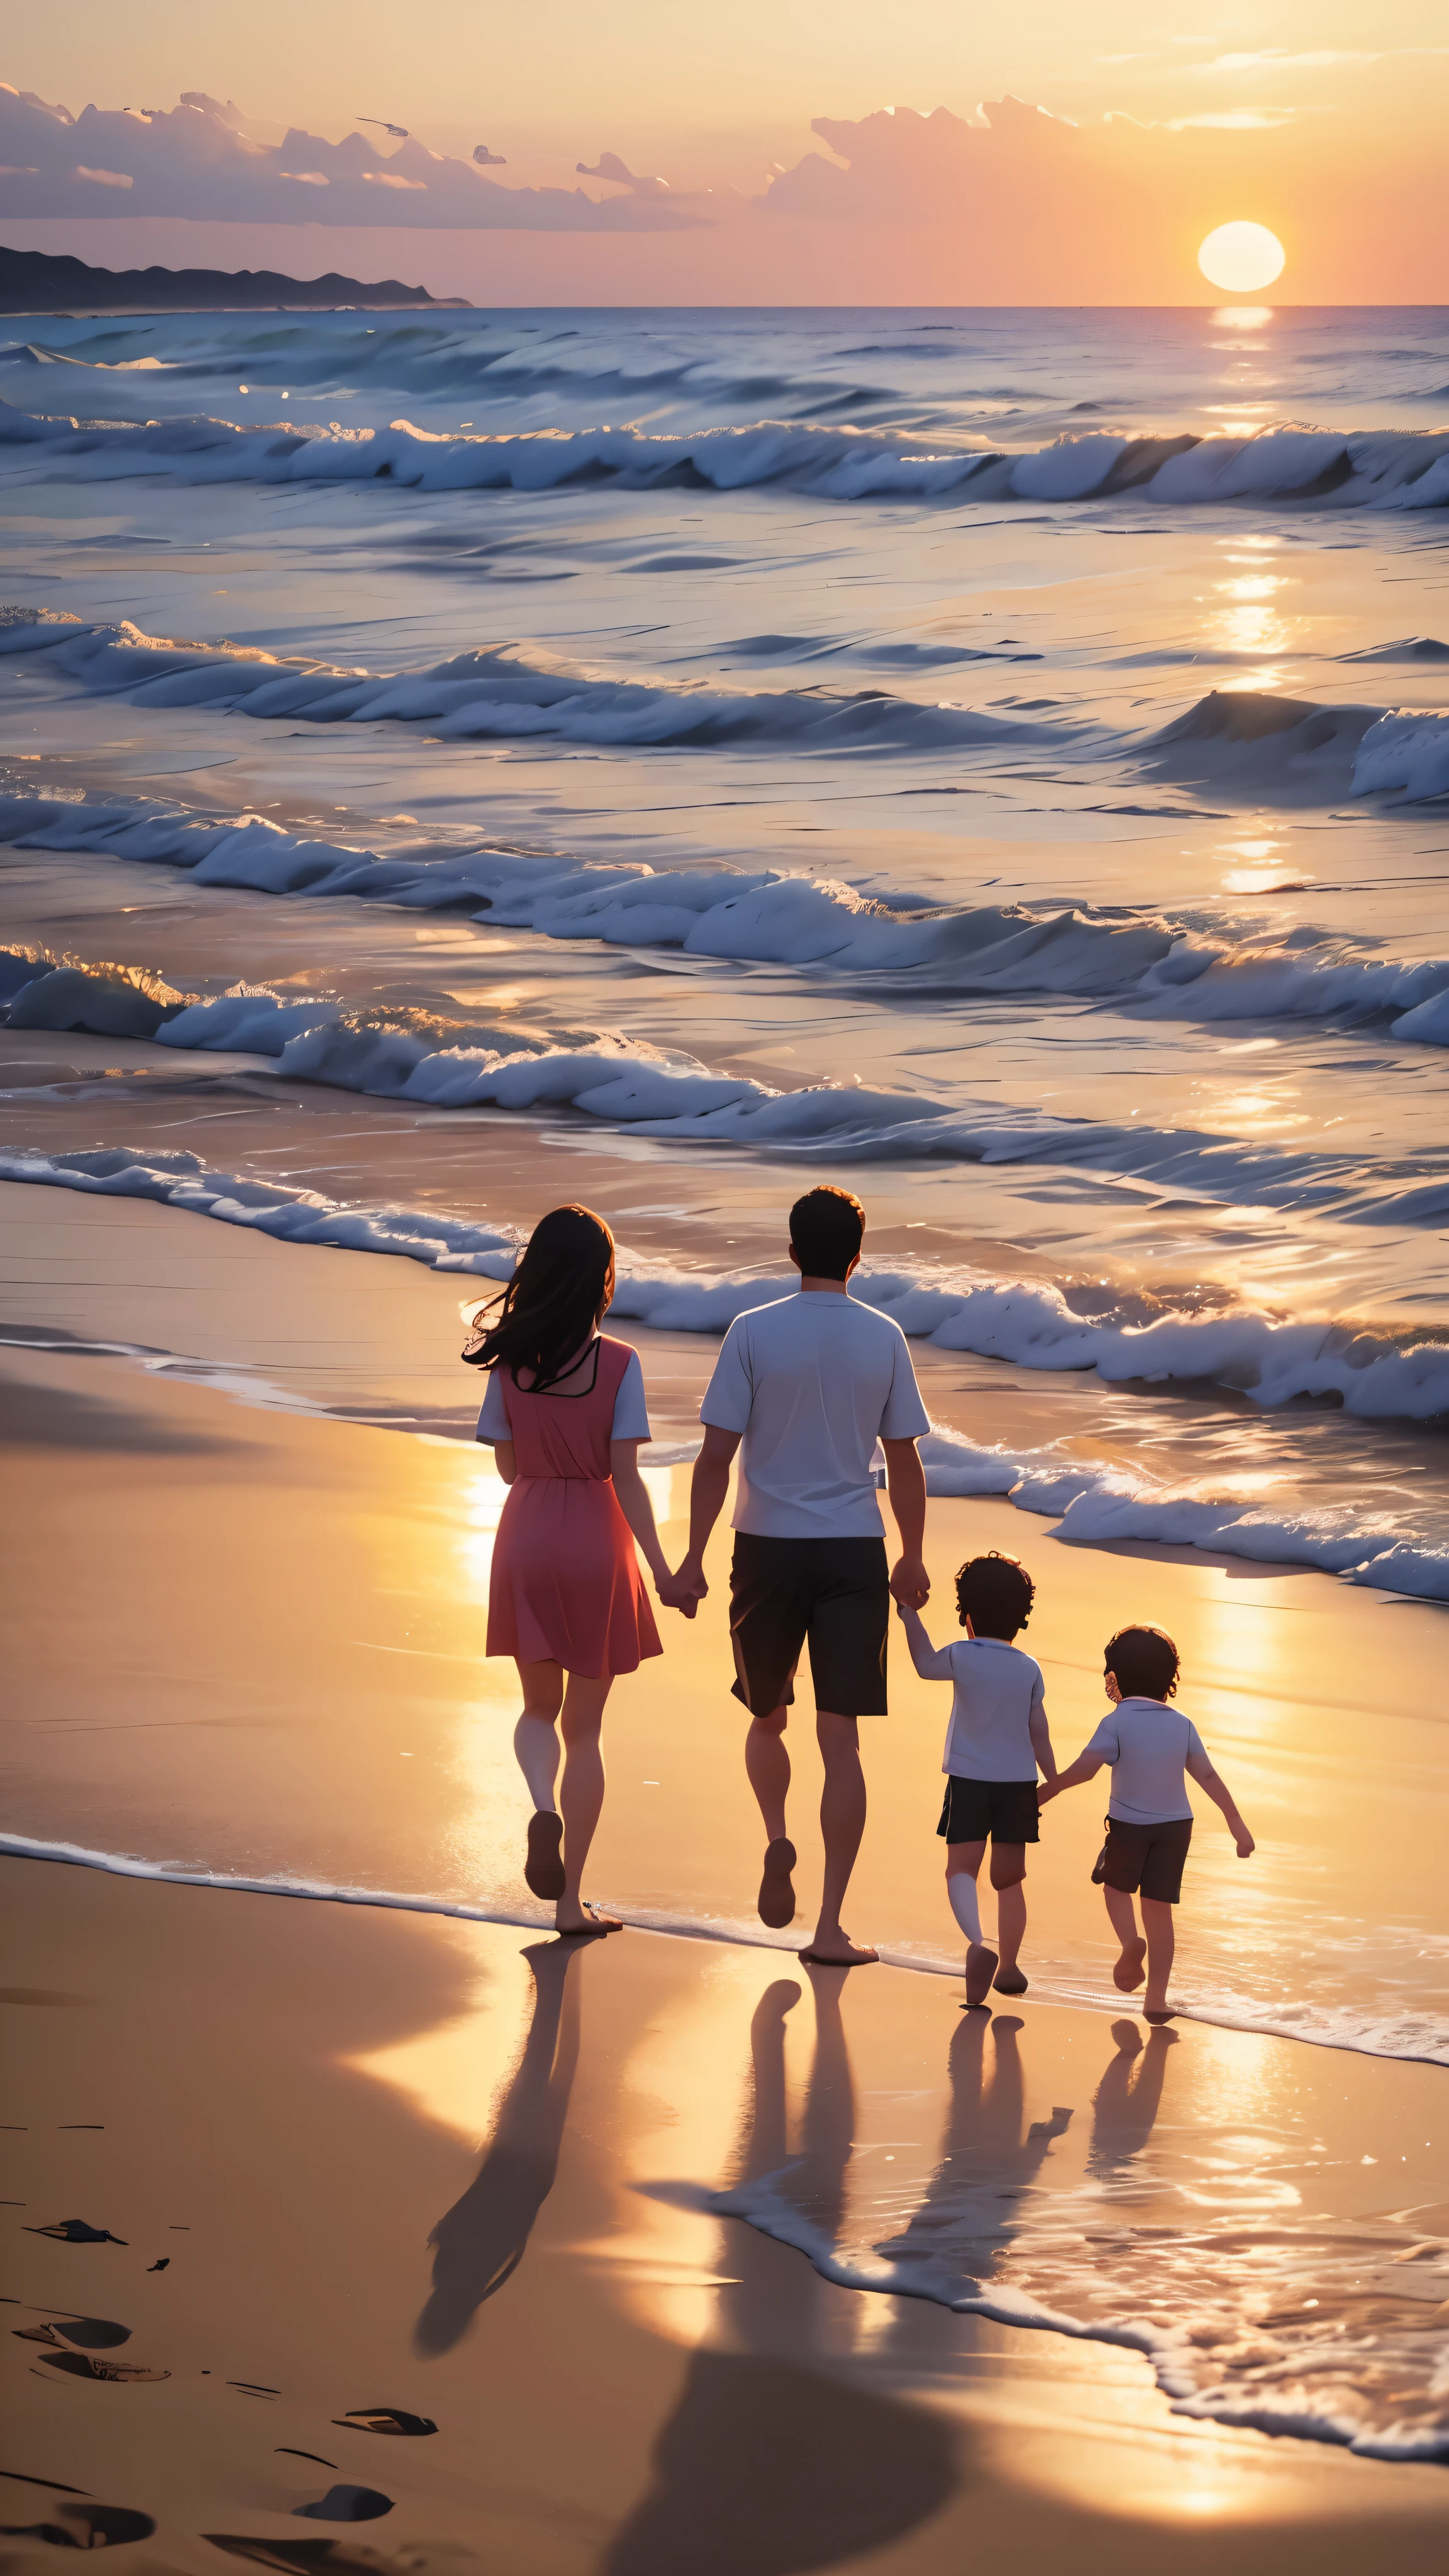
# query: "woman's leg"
[[535, 1743], [581, 1795]]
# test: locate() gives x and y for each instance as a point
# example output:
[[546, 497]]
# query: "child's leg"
[[582, 1796], [1161, 1945], [1122, 1915], [535, 1744], [1008, 1871], [963, 1860]]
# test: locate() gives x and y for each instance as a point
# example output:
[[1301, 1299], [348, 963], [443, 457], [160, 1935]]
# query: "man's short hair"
[[827, 1228], [1145, 1661], [995, 1593]]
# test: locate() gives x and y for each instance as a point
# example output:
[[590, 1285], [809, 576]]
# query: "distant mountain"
[[32, 282]]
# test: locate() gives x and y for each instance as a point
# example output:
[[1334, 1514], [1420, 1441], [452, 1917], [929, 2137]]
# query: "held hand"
[[1045, 1789], [910, 1582]]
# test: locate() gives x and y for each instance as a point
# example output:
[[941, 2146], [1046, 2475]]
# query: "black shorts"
[[833, 1591], [1002, 1811], [1149, 1857]]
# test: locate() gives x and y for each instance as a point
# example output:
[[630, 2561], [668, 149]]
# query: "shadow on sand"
[[482, 2240]]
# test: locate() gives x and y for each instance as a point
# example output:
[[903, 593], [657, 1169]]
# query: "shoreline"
[[282, 2110]]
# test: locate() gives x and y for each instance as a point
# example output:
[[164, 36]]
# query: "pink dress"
[[566, 1586]]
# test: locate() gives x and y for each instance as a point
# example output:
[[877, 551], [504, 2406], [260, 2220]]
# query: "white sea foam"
[[416, 1057], [507, 691], [1027, 1322], [1336, 469], [1149, 962], [1256, 2318], [1416, 2037]]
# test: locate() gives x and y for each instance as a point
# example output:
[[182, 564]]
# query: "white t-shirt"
[[631, 1415], [997, 1690], [812, 1382], [1147, 1742]]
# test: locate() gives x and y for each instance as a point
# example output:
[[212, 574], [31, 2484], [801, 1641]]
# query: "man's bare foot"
[[1009, 1981], [1159, 2013], [777, 1894], [837, 1950], [980, 1969], [1129, 1971], [577, 1919]]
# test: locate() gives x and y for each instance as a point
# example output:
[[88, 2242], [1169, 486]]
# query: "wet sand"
[[262, 1629], [400, 2164]]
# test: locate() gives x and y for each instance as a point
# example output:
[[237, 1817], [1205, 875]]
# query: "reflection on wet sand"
[[772, 2460], [482, 2240], [1129, 2097]]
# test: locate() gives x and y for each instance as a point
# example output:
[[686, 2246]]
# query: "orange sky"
[[1160, 124]]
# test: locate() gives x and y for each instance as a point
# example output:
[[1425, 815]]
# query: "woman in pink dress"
[[565, 1414]]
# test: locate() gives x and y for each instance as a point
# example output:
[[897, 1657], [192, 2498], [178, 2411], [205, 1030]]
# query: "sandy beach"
[[416, 2208], [408, 825]]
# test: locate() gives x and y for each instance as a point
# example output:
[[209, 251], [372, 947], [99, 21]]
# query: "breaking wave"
[[1331, 468], [410, 1055], [1371, 1374], [1160, 967], [1251, 740]]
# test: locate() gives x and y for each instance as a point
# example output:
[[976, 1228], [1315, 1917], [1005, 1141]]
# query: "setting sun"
[[1241, 258]]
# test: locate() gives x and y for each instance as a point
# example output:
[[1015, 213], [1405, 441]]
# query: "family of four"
[[806, 1390]]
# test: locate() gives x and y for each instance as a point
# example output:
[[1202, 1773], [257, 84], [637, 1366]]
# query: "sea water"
[[996, 759]]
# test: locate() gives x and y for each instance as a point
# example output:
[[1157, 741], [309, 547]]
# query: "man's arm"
[[1085, 1765], [1206, 1777], [906, 1486], [708, 1487], [933, 1663]]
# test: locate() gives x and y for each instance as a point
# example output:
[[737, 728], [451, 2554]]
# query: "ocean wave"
[[1373, 1375], [1419, 2038], [1331, 2331], [414, 1056], [1156, 966], [1263, 744], [1327, 468], [510, 691]]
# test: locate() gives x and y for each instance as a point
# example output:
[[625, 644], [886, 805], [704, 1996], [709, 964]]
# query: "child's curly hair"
[[995, 1593], [1145, 1661]]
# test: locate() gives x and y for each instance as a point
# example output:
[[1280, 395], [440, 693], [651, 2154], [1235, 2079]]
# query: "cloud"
[[1276, 58], [197, 161], [610, 167]]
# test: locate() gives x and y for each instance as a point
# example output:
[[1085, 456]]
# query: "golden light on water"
[[1241, 258]]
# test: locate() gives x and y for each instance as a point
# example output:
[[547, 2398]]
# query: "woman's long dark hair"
[[552, 1305]]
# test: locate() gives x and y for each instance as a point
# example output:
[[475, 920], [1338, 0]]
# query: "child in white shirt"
[[996, 1740], [1149, 1820]]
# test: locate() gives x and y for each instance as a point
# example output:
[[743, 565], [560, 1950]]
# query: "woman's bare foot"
[[837, 1950], [584, 1918], [1129, 1972], [544, 1870], [1159, 2013]]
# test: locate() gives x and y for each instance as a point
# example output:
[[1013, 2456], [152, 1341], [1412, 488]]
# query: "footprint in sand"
[[83, 2365], [80, 2525], [384, 2419], [88, 2334], [347, 2504], [77, 2231], [322, 2557]]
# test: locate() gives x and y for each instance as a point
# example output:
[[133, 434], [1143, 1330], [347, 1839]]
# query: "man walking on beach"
[[810, 1384]]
